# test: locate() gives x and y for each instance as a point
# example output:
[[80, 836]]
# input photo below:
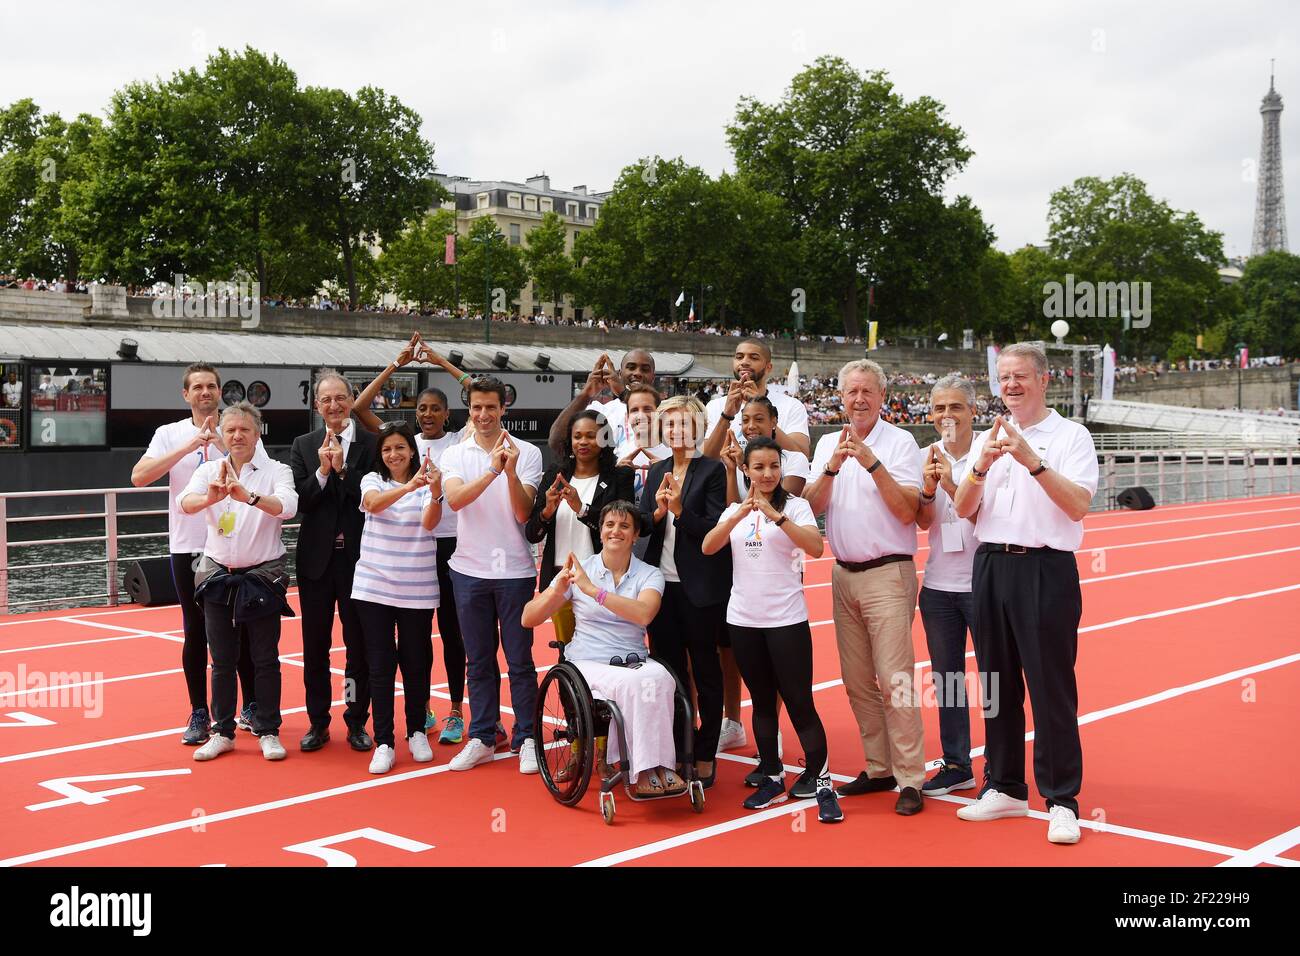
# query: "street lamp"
[[487, 241]]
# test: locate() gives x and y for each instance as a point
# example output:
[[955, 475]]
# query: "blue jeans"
[[947, 615], [480, 603]]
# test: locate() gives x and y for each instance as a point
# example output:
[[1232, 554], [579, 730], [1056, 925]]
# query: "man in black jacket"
[[328, 465]]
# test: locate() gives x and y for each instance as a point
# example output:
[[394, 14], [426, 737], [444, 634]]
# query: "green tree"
[[413, 264], [855, 164], [488, 262], [370, 170], [548, 263], [1113, 230], [1270, 294]]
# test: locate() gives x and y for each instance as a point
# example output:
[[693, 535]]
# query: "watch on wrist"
[[977, 473], [730, 418], [254, 500], [827, 471], [874, 466], [926, 497], [1042, 467]]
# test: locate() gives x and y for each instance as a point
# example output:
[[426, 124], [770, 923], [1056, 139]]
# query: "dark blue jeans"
[[947, 615], [480, 603]]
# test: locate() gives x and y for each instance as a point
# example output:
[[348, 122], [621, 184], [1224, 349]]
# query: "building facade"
[[517, 208]]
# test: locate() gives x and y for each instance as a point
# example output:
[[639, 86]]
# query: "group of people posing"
[[668, 528]]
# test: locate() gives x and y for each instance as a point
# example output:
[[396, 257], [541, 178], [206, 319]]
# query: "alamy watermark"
[[1098, 300], [73, 690], [240, 298]]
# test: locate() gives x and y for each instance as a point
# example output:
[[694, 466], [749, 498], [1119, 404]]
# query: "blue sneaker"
[[770, 792], [828, 805], [430, 719], [198, 729], [947, 780], [245, 719], [453, 730]]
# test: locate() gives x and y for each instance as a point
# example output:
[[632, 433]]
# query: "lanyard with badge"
[[949, 524]]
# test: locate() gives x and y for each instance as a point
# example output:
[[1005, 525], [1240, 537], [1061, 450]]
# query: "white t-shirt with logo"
[[446, 526], [767, 568], [490, 543], [186, 533]]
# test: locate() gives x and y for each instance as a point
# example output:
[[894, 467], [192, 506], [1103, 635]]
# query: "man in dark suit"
[[328, 465]]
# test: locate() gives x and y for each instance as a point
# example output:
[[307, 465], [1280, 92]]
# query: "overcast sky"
[[1044, 91]]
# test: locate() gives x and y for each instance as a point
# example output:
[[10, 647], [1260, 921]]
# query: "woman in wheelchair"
[[614, 596]]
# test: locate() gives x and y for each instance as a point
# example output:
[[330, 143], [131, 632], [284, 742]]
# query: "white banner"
[[994, 387], [1107, 374]]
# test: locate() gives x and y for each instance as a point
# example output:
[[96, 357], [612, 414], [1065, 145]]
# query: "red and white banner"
[[450, 257]]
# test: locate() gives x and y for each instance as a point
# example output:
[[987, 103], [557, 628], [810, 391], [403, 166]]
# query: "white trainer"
[[780, 751], [421, 752], [382, 761], [993, 805], [215, 747], [528, 757], [1063, 826], [732, 736], [471, 755], [272, 749]]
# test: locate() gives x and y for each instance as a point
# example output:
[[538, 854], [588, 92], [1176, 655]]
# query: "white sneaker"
[[272, 749], [528, 757], [994, 806], [421, 752], [732, 736], [780, 753], [382, 761], [1063, 827], [474, 753], [215, 747]]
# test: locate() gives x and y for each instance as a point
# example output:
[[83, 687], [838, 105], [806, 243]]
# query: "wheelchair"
[[573, 729]]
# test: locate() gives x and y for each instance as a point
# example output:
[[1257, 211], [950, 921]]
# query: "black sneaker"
[[947, 780], [245, 719], [806, 786], [199, 729], [755, 778], [769, 792], [828, 806]]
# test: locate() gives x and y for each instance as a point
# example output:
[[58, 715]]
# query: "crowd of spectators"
[[33, 284]]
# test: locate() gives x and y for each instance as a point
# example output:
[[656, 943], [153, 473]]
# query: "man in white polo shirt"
[[244, 499], [637, 368], [867, 480], [947, 608], [1030, 484], [751, 366], [176, 451], [489, 480]]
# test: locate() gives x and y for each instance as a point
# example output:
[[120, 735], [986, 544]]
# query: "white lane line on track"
[[93, 640], [1267, 851], [1255, 855]]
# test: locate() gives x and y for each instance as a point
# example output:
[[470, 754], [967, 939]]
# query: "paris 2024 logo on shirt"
[[754, 540]]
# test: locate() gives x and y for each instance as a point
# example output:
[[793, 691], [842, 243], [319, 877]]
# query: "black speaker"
[[150, 583], [1136, 499]]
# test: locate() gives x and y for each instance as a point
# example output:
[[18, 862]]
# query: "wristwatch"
[[780, 521], [925, 497], [827, 471], [730, 418], [439, 500], [874, 467], [1042, 467], [252, 501]]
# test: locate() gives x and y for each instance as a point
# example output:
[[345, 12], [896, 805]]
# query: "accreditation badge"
[[226, 524]]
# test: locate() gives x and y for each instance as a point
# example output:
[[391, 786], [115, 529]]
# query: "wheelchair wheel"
[[607, 807], [565, 728]]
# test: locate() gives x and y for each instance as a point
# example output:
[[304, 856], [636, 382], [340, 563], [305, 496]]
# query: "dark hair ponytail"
[[779, 494]]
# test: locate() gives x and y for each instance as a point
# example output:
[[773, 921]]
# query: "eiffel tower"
[[1270, 210]]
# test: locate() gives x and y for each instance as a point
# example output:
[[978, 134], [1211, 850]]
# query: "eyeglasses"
[[334, 400], [632, 660]]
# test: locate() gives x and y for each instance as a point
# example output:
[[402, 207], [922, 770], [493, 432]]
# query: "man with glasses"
[[328, 465]]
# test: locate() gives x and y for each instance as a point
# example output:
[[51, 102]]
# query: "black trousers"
[[1027, 610], [413, 651], [264, 646], [194, 652], [680, 631], [453, 645], [318, 597], [776, 660]]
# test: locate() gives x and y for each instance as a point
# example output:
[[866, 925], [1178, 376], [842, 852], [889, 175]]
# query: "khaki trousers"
[[873, 613]]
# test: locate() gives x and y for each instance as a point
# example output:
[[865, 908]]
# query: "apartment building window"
[[482, 200], [593, 212], [512, 200], [514, 234], [571, 209], [530, 203], [548, 204]]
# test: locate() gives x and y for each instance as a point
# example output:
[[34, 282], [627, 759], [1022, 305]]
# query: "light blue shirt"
[[599, 633]]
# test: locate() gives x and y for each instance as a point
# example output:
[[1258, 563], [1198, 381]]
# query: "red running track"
[[1189, 678]]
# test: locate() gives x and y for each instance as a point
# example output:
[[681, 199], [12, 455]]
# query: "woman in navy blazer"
[[681, 502]]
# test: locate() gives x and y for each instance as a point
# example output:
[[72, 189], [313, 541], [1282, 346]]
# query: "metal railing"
[[110, 539], [1182, 476], [1191, 441]]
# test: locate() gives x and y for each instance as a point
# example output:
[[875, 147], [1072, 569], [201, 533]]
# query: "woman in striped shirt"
[[395, 586]]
